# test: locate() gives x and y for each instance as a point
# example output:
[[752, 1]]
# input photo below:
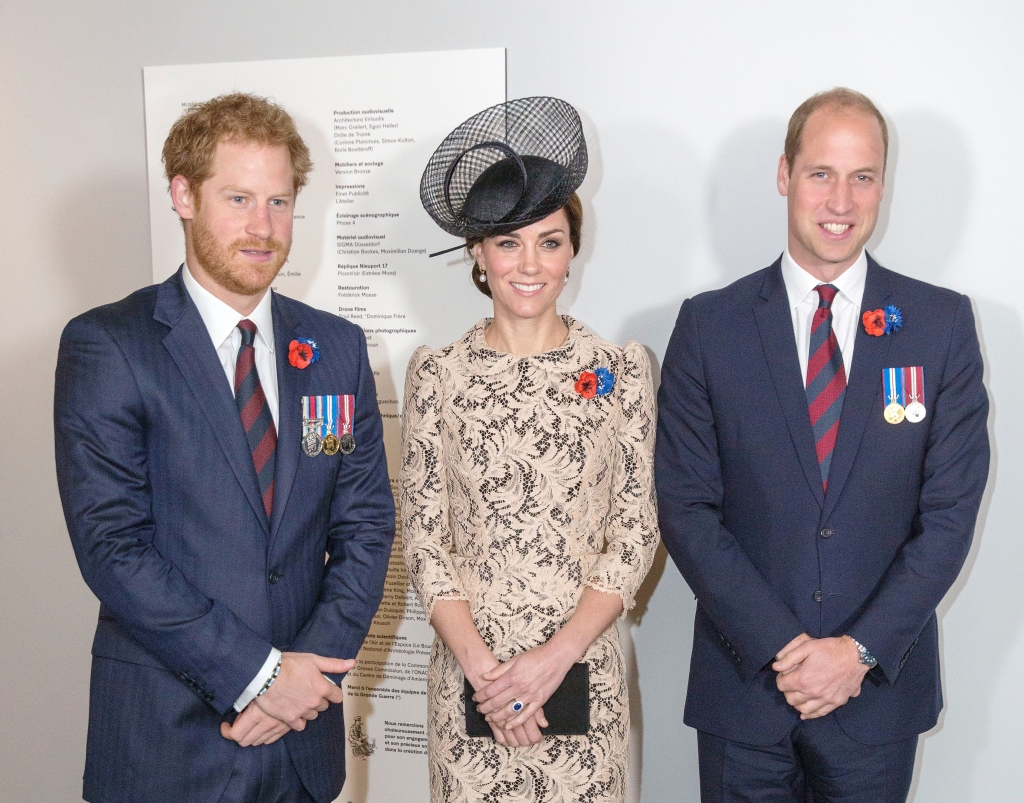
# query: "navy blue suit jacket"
[[164, 511], [766, 553]]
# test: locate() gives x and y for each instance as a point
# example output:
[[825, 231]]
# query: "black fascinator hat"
[[505, 167]]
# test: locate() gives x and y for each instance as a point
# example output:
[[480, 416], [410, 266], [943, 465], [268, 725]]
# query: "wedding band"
[[517, 706]]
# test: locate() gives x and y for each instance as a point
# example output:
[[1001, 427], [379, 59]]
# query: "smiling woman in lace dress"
[[527, 492]]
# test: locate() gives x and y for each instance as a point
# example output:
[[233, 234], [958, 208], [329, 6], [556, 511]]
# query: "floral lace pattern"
[[516, 492]]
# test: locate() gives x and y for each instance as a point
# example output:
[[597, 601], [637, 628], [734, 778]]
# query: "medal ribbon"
[[332, 415], [893, 386], [347, 410], [914, 376], [313, 410]]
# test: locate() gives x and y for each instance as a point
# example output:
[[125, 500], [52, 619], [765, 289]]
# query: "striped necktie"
[[255, 412], [826, 380]]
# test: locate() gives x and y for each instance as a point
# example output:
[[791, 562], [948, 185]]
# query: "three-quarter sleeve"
[[631, 531], [426, 534]]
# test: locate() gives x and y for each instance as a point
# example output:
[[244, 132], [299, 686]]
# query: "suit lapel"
[[864, 388], [189, 345], [291, 385], [775, 324]]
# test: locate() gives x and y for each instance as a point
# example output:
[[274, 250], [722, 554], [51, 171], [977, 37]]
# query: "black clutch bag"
[[567, 710]]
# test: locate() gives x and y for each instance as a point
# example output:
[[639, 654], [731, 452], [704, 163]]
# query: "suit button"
[[273, 577], [817, 596], [826, 532]]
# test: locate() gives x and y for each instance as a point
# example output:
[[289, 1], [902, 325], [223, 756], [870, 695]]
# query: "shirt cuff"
[[262, 676]]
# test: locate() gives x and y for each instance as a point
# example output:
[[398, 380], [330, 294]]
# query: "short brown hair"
[[573, 211], [839, 99], [192, 142]]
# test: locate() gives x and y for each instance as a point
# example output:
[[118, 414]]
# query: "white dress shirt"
[[222, 324], [803, 301]]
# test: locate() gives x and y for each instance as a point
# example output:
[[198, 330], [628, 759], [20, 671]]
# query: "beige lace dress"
[[516, 492]]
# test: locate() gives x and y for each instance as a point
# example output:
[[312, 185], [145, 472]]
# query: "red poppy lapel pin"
[[302, 352], [598, 382], [878, 322]]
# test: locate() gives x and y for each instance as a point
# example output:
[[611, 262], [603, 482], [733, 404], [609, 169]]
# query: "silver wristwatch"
[[866, 658]]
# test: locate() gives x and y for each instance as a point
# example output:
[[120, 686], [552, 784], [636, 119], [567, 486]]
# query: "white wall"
[[685, 105]]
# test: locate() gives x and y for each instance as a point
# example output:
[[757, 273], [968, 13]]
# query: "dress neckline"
[[564, 351]]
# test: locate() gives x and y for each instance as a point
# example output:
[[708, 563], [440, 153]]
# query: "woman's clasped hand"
[[531, 678]]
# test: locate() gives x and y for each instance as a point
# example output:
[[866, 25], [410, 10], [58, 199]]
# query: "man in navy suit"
[[222, 471], [822, 452]]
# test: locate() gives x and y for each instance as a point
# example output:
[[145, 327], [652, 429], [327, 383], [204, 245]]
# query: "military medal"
[[327, 425], [894, 413], [892, 384], [312, 421], [915, 412], [312, 443], [346, 409], [331, 443], [914, 377]]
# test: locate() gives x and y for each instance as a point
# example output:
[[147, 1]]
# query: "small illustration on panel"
[[357, 740]]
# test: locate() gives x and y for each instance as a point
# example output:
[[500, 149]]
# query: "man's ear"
[[185, 202], [782, 177]]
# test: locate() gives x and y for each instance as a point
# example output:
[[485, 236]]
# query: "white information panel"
[[361, 241]]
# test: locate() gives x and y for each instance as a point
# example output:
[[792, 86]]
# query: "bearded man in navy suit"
[[822, 452], [237, 576]]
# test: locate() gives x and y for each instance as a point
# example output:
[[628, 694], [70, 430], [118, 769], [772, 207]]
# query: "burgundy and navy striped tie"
[[256, 418], [826, 380]]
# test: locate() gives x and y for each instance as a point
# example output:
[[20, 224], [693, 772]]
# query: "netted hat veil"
[[505, 167]]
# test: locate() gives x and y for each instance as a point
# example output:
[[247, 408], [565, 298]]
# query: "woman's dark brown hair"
[[573, 211]]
